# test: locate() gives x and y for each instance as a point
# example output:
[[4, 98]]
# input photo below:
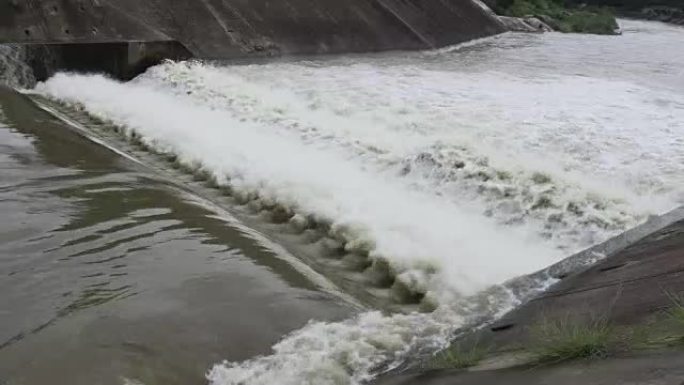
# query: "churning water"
[[451, 170]]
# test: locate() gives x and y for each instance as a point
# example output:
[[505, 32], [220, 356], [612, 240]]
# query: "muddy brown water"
[[108, 274]]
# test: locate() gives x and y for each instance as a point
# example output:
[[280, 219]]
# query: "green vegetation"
[[634, 5], [664, 329], [460, 355], [675, 313], [588, 19], [599, 21], [562, 340]]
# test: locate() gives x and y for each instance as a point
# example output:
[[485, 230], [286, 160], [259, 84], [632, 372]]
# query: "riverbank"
[[560, 17], [668, 11], [664, 14]]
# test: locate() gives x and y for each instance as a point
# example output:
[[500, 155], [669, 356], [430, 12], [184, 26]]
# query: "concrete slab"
[[626, 288], [242, 28], [663, 368], [630, 288]]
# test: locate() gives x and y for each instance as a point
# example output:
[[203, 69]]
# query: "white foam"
[[337, 353], [410, 228], [604, 174], [413, 230]]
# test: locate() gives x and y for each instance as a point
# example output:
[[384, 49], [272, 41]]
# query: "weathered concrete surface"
[[630, 287], [625, 287], [664, 368], [85, 36], [224, 29]]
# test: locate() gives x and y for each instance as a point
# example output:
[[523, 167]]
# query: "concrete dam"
[[124, 37], [311, 192]]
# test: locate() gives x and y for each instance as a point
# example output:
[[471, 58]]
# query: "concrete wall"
[[121, 59], [223, 29], [70, 21]]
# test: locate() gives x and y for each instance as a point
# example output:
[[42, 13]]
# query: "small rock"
[[537, 24], [549, 21], [527, 24]]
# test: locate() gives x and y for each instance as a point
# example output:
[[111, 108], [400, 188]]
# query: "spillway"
[[423, 183]]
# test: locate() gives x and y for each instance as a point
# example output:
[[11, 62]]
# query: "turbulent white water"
[[461, 168]]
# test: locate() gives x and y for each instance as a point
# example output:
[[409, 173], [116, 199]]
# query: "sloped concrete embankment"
[[633, 290], [121, 37]]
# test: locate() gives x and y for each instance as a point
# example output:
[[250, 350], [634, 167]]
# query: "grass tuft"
[[460, 355], [675, 313], [562, 340]]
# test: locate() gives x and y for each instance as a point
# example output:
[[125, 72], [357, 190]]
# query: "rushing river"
[[409, 180]]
